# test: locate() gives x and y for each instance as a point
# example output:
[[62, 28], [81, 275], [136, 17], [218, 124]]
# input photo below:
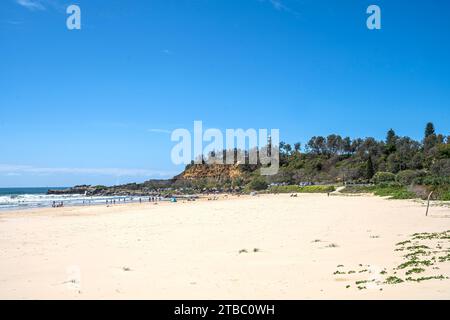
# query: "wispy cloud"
[[12, 22], [31, 4], [277, 4], [13, 174], [12, 170], [159, 131], [280, 5]]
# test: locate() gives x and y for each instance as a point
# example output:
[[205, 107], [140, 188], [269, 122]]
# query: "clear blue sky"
[[82, 106]]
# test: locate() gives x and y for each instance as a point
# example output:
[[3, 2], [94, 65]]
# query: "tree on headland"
[[391, 141], [429, 130], [370, 170], [347, 145], [430, 139], [287, 148], [317, 145], [334, 144]]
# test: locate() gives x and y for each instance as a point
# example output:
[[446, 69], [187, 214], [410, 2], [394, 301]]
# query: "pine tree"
[[391, 139], [430, 139], [370, 169], [429, 130]]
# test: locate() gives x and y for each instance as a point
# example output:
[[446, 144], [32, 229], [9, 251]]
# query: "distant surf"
[[28, 198]]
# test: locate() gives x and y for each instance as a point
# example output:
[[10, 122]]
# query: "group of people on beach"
[[150, 199], [60, 204], [113, 201], [57, 204]]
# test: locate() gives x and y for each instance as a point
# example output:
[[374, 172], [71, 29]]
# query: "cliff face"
[[217, 172]]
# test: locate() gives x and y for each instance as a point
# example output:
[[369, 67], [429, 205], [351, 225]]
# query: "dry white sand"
[[191, 250]]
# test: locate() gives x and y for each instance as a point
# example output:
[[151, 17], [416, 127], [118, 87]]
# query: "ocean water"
[[28, 198], [21, 191]]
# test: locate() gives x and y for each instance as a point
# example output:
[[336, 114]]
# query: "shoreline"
[[36, 211], [78, 200], [219, 196]]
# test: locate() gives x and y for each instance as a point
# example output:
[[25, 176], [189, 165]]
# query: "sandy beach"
[[263, 247]]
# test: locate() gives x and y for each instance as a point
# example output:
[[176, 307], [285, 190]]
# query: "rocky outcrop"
[[217, 172], [147, 188], [74, 190]]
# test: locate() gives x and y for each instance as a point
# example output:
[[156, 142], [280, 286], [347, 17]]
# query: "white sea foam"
[[8, 202]]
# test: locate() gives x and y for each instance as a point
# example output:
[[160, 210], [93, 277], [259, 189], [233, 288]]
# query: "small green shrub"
[[444, 196], [431, 180], [298, 189], [407, 177], [257, 184], [392, 189], [358, 189], [394, 192], [383, 177], [393, 280]]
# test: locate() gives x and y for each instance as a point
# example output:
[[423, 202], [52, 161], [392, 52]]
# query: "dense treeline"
[[399, 165], [337, 159]]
